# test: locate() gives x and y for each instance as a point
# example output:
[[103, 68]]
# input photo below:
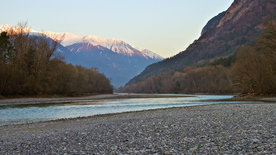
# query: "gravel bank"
[[212, 129]]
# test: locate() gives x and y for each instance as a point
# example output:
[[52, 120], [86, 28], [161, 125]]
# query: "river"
[[21, 113]]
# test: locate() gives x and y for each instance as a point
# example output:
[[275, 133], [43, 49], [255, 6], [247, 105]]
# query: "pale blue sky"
[[163, 26]]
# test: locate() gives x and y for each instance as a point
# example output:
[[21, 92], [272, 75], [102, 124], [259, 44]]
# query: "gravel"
[[212, 129]]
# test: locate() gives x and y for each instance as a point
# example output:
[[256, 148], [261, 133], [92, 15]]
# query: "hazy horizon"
[[165, 28]]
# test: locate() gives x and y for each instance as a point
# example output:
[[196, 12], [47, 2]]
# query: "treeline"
[[254, 70], [250, 70], [207, 79], [29, 67]]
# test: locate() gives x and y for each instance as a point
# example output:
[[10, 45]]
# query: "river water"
[[36, 112]]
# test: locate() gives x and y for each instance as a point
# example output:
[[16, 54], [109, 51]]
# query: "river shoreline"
[[219, 128], [35, 100], [84, 98]]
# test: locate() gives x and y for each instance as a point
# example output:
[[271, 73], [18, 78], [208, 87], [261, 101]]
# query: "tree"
[[28, 67], [255, 68], [5, 48]]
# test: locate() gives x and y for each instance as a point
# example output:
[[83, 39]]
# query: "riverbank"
[[56, 100], [212, 129], [83, 98]]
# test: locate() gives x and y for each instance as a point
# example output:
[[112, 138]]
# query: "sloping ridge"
[[239, 25]]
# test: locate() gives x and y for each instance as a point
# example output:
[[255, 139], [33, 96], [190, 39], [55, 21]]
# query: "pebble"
[[212, 129]]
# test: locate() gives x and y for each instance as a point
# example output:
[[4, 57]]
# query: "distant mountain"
[[117, 46], [120, 68], [239, 25], [118, 60]]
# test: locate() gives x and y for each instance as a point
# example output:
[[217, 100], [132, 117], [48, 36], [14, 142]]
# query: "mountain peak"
[[151, 54], [239, 25], [5, 27], [14, 29], [117, 46]]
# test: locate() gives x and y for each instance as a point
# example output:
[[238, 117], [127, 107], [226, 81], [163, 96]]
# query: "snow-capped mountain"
[[14, 29], [5, 27], [117, 59], [118, 67], [117, 46]]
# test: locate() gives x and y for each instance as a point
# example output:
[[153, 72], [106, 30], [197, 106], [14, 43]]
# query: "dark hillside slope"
[[213, 22], [241, 24]]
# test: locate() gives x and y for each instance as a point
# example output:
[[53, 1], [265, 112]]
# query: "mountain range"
[[221, 37], [118, 60]]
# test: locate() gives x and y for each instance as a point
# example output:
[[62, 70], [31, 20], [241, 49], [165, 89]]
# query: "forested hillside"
[[28, 67], [239, 25], [250, 70]]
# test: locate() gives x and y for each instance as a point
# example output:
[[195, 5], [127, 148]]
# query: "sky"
[[165, 27]]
